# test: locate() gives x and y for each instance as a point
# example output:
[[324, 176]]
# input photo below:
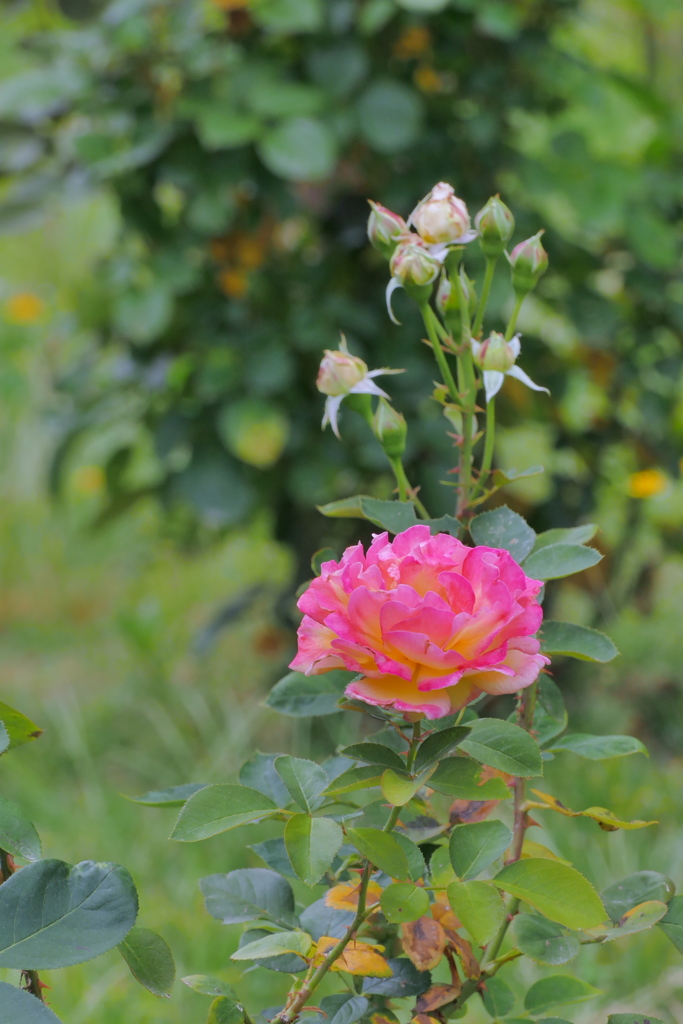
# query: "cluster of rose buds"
[[418, 252], [442, 224]]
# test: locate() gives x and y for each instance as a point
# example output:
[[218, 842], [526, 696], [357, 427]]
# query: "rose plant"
[[425, 890]]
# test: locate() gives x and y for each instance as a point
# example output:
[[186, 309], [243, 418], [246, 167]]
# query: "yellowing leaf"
[[436, 996], [462, 947], [358, 958], [606, 819], [345, 895], [424, 941]]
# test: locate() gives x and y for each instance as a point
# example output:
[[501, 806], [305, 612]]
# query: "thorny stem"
[[525, 718], [469, 401], [431, 323], [405, 490], [31, 978], [487, 459], [298, 1000], [485, 290]]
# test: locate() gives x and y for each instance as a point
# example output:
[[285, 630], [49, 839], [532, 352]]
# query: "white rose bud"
[[441, 218]]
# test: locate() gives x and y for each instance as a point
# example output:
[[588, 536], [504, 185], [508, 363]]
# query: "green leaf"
[[474, 846], [445, 524], [414, 856], [289, 16], [638, 919], [312, 844], [18, 835], [557, 990], [19, 1007], [19, 728], [423, 6], [274, 853], [672, 924], [53, 915], [174, 796], [299, 149], [438, 745], [406, 980], [225, 1011], [557, 891], [399, 790], [503, 528], [631, 1018], [550, 717], [634, 889], [375, 753], [598, 748], [498, 998], [220, 127], [576, 641], [216, 809], [571, 535], [354, 779], [460, 777], [259, 773], [342, 1008], [318, 920], [249, 894], [403, 901], [300, 696], [505, 746], [558, 560], [382, 849], [305, 780], [479, 907], [207, 985], [544, 940], [150, 960], [275, 944], [389, 115], [284, 963], [394, 516]]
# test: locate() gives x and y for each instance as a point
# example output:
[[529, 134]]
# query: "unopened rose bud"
[[339, 372], [415, 269], [384, 229], [390, 429], [441, 217], [495, 225], [529, 261], [495, 353]]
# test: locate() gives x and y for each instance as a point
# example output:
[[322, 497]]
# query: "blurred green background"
[[183, 215]]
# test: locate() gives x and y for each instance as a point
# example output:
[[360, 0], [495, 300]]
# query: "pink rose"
[[428, 622]]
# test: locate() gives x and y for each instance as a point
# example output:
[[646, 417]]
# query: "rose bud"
[[384, 229], [415, 269], [495, 353], [495, 225], [529, 261], [441, 218], [390, 429], [340, 372]]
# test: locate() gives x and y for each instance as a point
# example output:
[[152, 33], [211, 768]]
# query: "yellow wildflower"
[[24, 308], [647, 483]]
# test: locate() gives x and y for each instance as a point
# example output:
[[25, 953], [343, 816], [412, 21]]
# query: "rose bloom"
[[428, 622]]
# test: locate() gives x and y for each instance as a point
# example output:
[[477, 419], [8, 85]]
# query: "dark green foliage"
[[241, 149]]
